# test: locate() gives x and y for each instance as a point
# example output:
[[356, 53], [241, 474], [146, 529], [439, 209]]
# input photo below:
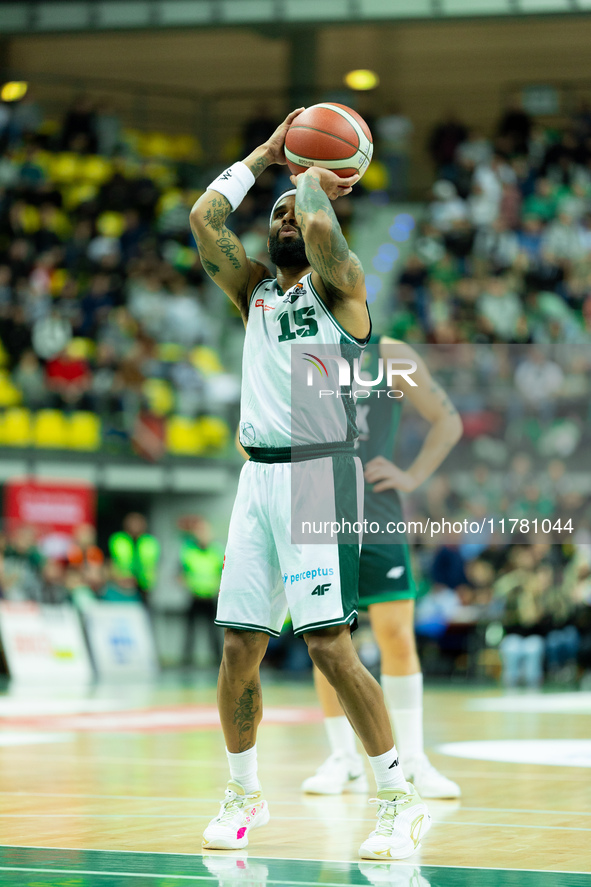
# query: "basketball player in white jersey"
[[317, 298]]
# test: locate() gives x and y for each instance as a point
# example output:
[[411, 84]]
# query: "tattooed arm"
[[337, 272], [222, 254], [434, 405]]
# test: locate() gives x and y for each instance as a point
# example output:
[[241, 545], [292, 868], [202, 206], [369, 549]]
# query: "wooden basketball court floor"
[[114, 785]]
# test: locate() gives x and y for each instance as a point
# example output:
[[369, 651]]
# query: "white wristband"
[[234, 183]]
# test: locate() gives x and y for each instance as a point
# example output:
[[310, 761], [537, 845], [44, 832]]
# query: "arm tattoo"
[[330, 258], [215, 218], [245, 714], [228, 247], [210, 267], [444, 399], [217, 212], [259, 166]]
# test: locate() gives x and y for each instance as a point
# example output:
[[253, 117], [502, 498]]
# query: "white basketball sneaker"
[[429, 782], [403, 819], [238, 814], [339, 773]]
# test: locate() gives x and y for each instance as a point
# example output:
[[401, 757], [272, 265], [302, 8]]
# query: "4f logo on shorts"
[[322, 589]]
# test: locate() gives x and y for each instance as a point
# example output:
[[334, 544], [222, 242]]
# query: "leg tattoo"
[[245, 714]]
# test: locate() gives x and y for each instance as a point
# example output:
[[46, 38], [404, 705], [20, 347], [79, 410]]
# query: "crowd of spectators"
[[503, 254], [104, 305], [529, 603], [56, 569], [44, 569]]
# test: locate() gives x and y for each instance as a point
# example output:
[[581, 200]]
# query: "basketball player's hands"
[[333, 185], [387, 476], [274, 144]]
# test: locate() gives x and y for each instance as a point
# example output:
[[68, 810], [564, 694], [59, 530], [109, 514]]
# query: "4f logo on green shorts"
[[322, 589]]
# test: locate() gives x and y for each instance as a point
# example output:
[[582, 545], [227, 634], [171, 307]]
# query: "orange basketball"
[[329, 135]]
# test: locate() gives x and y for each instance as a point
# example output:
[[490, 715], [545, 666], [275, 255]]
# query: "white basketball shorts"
[[265, 573]]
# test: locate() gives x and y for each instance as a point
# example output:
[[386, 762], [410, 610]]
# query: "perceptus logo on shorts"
[[292, 578], [388, 368]]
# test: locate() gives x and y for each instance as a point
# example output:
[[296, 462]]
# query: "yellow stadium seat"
[[57, 281], [81, 348], [186, 147], [206, 360], [170, 352], [157, 144], [61, 224], [50, 429], [10, 396], [111, 224], [159, 395], [169, 200], [81, 192], [65, 168], [183, 436], [30, 219], [17, 427], [96, 169], [215, 432], [376, 177], [84, 431]]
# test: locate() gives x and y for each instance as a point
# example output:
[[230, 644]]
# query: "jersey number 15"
[[305, 324]]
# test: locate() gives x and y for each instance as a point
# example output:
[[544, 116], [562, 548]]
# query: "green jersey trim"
[[247, 626], [361, 343], [387, 597], [316, 626]]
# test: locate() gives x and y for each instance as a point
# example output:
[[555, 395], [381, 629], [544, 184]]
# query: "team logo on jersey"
[[260, 303], [247, 433], [297, 291]]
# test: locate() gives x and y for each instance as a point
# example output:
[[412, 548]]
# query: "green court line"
[[6, 868], [425, 872], [251, 856], [52, 865], [169, 877]]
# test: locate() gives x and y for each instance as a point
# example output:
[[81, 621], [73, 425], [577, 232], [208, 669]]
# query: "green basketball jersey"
[[378, 418]]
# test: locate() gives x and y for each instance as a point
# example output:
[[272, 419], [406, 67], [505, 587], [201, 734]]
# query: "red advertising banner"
[[50, 507]]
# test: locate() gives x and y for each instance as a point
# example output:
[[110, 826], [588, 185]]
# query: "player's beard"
[[290, 253]]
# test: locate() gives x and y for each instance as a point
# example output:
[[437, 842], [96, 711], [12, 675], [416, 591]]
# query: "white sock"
[[341, 736], [404, 699], [243, 769], [388, 772]]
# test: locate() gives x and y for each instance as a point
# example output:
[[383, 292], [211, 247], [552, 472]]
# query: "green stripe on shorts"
[[346, 509]]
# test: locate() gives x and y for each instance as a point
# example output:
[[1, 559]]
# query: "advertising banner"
[[43, 643]]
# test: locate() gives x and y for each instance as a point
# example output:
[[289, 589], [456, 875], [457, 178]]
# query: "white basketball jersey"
[[278, 409]]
